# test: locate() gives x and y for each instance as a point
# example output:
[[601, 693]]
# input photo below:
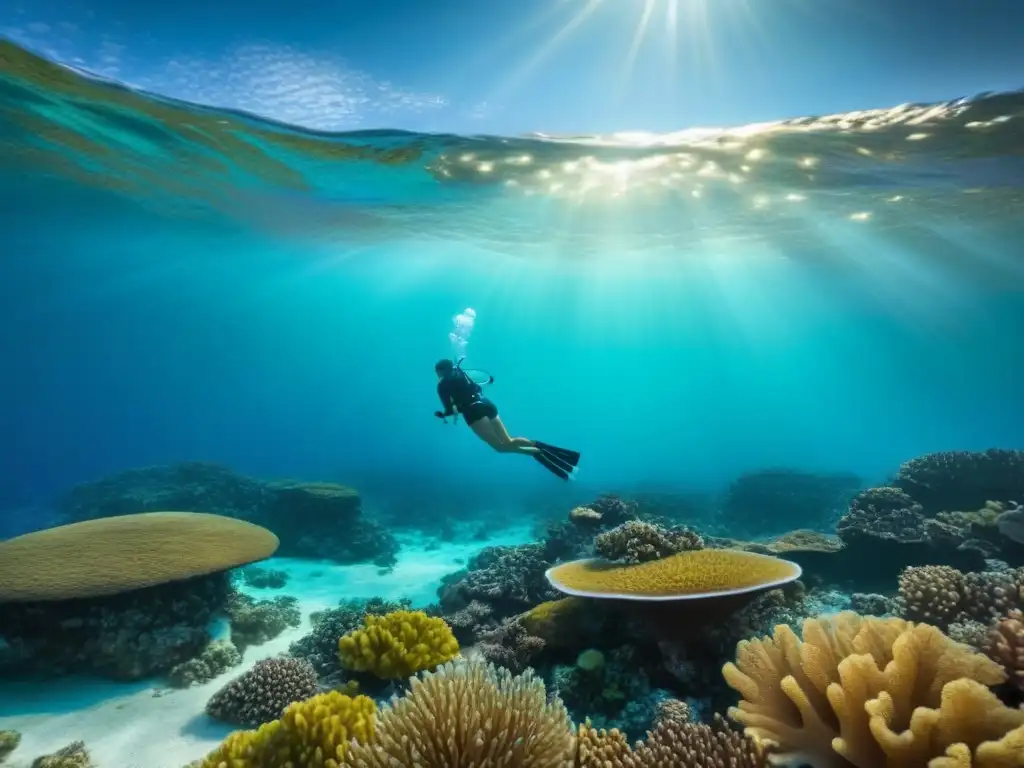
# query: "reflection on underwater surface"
[[749, 333]]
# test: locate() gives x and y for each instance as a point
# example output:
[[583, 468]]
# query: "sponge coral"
[[315, 733], [700, 573], [872, 693], [470, 715], [398, 644]]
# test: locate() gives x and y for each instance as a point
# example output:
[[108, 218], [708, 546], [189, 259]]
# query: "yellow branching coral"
[[870, 693], [398, 645], [315, 733], [470, 715]]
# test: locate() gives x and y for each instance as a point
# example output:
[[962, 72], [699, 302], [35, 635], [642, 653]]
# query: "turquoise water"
[[831, 295], [836, 293]]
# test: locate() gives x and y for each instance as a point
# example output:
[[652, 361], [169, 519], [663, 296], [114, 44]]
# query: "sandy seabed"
[[147, 725]]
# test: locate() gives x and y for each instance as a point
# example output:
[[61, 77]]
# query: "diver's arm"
[[446, 401]]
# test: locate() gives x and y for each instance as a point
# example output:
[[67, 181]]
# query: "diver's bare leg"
[[510, 444]]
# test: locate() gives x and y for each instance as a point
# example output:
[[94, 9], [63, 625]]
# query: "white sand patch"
[[144, 725]]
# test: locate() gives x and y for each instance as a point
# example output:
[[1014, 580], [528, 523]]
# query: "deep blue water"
[[829, 295]]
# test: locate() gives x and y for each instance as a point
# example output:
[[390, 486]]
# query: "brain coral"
[[315, 733], [398, 644], [470, 715], [873, 693], [695, 574], [119, 554]]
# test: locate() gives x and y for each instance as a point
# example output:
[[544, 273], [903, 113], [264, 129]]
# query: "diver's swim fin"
[[562, 455], [546, 461]]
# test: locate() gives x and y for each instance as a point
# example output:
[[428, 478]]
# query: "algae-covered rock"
[[9, 741]]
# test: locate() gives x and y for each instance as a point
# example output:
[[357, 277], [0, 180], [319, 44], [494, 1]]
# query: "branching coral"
[[470, 715], [398, 644], [315, 733], [1005, 644], [674, 743], [870, 693], [261, 694], [509, 579], [638, 542], [510, 646], [931, 593]]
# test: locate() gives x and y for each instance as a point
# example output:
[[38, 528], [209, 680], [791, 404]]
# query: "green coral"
[[254, 622], [218, 657], [315, 733], [398, 645], [9, 741]]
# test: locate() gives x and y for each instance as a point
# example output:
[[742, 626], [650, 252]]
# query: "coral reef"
[[673, 743], [638, 542], [469, 714], [990, 595], [510, 645], [508, 579], [9, 741], [398, 645], [264, 578], [218, 657], [317, 733], [314, 520], [956, 480], [604, 686], [772, 501], [873, 692], [969, 632], [74, 755], [320, 646], [128, 636], [470, 622], [565, 623], [254, 622], [687, 574], [1005, 645], [871, 604], [882, 513], [120, 554], [260, 695], [931, 593]]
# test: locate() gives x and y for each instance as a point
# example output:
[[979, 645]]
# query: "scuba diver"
[[460, 394]]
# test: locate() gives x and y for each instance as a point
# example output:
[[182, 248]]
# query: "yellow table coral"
[[315, 733], [398, 645]]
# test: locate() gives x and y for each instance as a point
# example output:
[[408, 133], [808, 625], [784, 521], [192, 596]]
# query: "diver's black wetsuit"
[[460, 393]]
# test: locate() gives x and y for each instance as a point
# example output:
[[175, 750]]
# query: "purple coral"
[[261, 694]]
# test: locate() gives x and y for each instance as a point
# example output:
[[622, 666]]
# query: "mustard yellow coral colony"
[[398, 645]]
